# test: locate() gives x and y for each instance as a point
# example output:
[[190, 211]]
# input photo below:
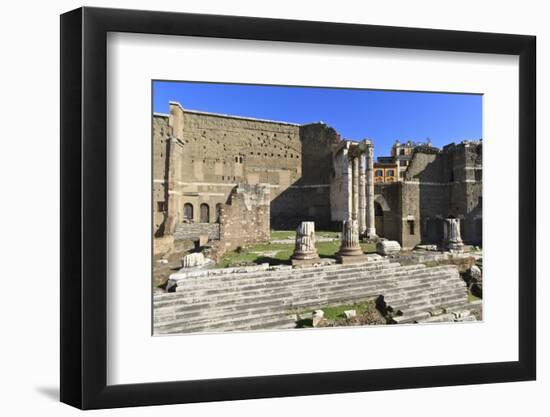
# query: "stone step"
[[321, 281], [231, 273], [314, 298], [412, 314], [294, 274], [395, 295], [275, 324], [389, 274], [182, 318], [428, 302], [393, 292], [286, 299], [256, 299], [228, 273], [410, 318], [214, 312], [266, 320], [400, 303], [287, 292], [259, 285], [292, 277]]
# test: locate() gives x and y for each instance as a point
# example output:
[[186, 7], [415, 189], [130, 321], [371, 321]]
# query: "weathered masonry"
[[436, 185], [200, 157], [216, 173]]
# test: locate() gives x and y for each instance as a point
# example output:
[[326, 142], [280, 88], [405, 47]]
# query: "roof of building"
[[231, 116]]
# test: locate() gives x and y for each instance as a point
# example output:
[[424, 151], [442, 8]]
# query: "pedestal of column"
[[350, 249], [452, 241], [305, 252]]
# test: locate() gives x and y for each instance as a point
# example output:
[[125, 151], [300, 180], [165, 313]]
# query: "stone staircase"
[[261, 299], [431, 292]]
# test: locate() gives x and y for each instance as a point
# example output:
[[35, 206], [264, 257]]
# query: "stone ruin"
[[305, 252], [232, 178], [452, 240]]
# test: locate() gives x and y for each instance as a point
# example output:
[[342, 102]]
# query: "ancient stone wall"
[[308, 198], [199, 158], [213, 153], [193, 231], [467, 190], [437, 184], [245, 218], [161, 139]]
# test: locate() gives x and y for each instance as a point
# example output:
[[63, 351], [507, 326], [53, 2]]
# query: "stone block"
[[475, 273], [193, 260], [203, 240], [460, 315], [388, 247], [317, 318], [350, 313]]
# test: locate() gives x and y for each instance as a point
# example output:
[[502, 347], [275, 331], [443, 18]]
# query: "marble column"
[[371, 228], [355, 188], [305, 242], [346, 184], [350, 240], [362, 194], [451, 235]]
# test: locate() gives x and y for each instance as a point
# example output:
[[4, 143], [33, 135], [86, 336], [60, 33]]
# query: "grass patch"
[[282, 234], [290, 234], [280, 253], [366, 313], [250, 254], [337, 312]]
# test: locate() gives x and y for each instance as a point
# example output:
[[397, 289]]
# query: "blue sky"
[[382, 116]]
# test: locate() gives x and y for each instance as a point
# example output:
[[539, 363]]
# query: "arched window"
[[188, 211], [401, 151], [205, 213], [390, 173], [218, 212], [378, 173]]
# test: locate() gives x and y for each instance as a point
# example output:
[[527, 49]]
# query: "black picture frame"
[[84, 207]]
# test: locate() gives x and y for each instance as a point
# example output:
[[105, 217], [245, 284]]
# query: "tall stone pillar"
[[362, 194], [371, 228], [169, 189], [346, 184], [355, 188]]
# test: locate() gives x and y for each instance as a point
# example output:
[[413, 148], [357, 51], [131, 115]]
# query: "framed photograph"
[[258, 208]]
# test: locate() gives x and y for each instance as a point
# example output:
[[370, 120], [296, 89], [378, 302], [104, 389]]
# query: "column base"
[[353, 259], [371, 233], [299, 263]]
